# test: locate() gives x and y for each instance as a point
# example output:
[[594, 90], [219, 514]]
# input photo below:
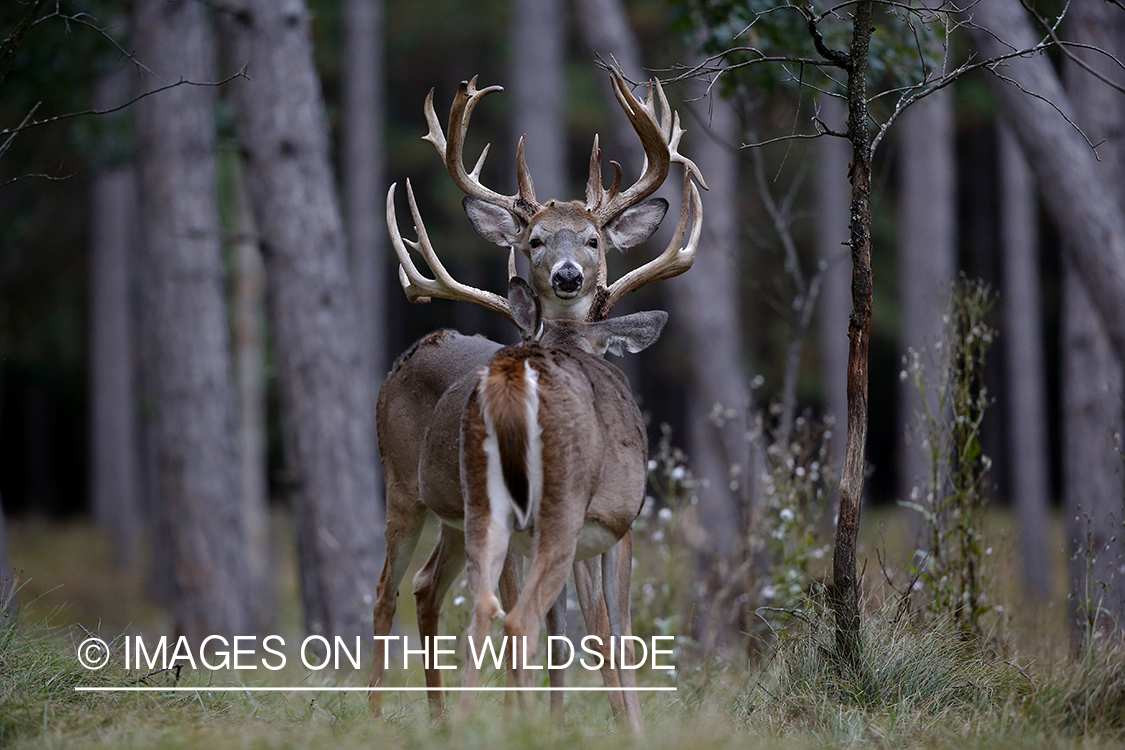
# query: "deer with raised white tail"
[[420, 445]]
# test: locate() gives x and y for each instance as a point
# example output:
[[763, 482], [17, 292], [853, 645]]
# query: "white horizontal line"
[[237, 689]]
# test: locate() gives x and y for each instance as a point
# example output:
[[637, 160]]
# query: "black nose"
[[567, 279]]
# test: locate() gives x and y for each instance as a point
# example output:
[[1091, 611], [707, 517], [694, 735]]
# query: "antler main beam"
[[451, 151], [677, 257], [660, 137], [420, 289]]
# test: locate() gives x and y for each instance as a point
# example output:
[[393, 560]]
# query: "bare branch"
[[182, 82]]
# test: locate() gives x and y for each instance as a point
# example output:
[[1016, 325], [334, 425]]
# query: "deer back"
[[411, 402]]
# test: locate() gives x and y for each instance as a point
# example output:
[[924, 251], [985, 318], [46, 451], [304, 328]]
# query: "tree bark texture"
[[327, 421], [1075, 191], [845, 584], [927, 255], [364, 167], [1093, 418], [832, 198], [538, 74], [114, 477], [197, 457], [1025, 361]]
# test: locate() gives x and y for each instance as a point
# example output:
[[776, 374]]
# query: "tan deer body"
[[423, 400]]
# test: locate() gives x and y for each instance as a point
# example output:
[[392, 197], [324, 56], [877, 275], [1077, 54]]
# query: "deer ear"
[[527, 312], [630, 333], [495, 223], [636, 224]]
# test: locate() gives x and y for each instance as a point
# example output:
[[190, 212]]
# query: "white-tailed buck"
[[421, 402], [566, 242]]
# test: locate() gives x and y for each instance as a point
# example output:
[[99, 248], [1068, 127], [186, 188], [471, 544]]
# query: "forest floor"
[[921, 686]]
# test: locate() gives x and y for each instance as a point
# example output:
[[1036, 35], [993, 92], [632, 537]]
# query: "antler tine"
[[451, 150], [418, 288], [674, 148], [676, 258], [657, 156]]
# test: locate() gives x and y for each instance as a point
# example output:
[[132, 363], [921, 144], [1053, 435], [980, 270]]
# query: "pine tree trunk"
[[1026, 363], [327, 421], [538, 73], [197, 457], [364, 168], [927, 252], [114, 471], [1093, 384], [1075, 191]]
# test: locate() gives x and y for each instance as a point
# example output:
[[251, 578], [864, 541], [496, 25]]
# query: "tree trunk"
[[845, 583], [1075, 190], [364, 177], [197, 455], [327, 421], [1026, 364], [832, 205], [114, 477], [250, 369], [927, 252], [607, 32], [1092, 376], [538, 89]]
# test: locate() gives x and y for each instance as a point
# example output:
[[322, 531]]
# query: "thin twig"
[[182, 82]]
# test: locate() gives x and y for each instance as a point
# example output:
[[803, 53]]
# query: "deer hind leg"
[[431, 583], [588, 583], [405, 518], [553, 547], [556, 626], [486, 549], [511, 581], [628, 676]]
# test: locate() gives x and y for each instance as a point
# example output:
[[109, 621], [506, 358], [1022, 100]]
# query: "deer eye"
[[535, 242], [593, 242]]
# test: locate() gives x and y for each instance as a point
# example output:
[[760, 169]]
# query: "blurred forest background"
[[198, 300]]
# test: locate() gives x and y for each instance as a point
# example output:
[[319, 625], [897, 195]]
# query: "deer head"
[[566, 242]]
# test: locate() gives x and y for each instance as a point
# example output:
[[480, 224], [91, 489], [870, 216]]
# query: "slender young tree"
[[197, 456], [327, 421]]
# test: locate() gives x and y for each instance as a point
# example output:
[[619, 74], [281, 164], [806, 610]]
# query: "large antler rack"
[[420, 289], [451, 151], [677, 257], [660, 138]]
